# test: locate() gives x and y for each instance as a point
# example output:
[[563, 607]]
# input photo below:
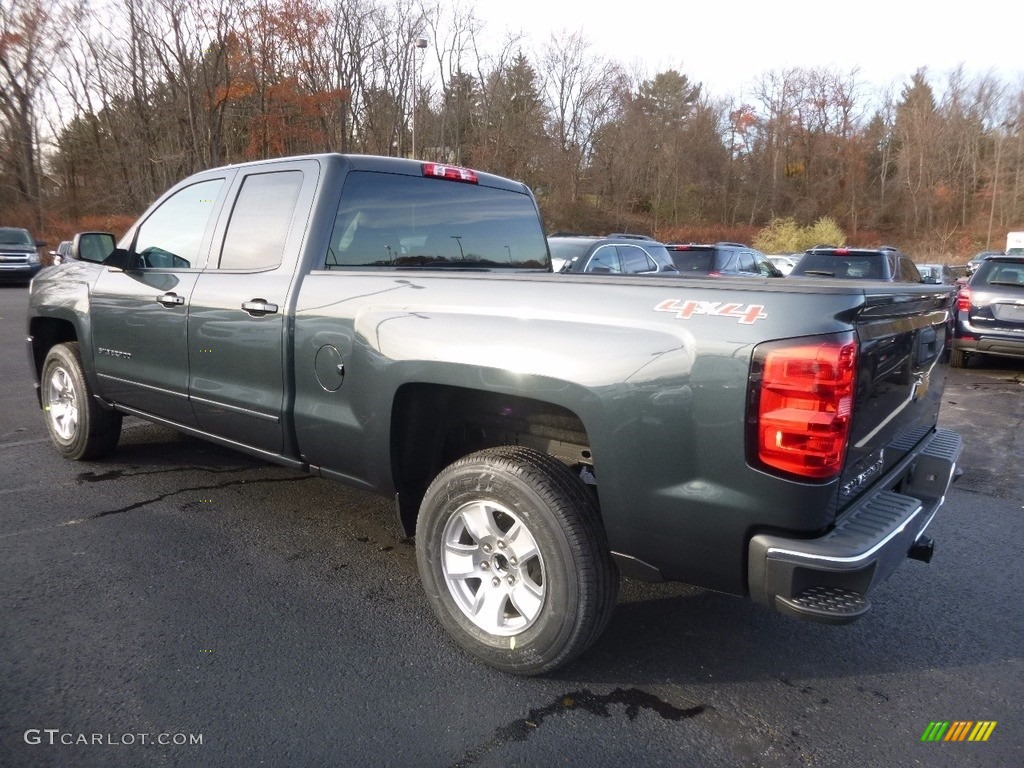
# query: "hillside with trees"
[[105, 105]]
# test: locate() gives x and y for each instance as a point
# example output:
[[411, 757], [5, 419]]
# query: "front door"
[[139, 315]]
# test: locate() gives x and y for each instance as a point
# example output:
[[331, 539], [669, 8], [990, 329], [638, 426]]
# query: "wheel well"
[[45, 333], [434, 425]]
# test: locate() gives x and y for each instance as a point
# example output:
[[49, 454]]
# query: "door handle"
[[259, 307], [171, 299]]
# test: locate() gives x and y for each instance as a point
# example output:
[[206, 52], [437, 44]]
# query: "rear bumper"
[[986, 341], [991, 344], [828, 579]]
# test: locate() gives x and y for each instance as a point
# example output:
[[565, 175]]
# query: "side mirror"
[[93, 246]]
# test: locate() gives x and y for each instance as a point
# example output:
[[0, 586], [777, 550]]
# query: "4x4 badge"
[[744, 314]]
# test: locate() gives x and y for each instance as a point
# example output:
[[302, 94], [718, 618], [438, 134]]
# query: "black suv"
[[616, 254], [734, 259], [882, 263]]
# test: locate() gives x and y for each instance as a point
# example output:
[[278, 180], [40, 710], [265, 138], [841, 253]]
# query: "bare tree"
[[30, 42], [580, 88]]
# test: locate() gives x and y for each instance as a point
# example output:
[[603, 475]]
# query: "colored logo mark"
[[958, 730]]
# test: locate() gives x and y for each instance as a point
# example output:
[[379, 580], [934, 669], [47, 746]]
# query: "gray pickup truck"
[[395, 325]]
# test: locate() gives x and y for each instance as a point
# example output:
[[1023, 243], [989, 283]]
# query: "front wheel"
[[514, 561], [79, 427]]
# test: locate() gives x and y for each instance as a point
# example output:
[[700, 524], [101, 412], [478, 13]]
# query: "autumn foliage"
[[99, 119]]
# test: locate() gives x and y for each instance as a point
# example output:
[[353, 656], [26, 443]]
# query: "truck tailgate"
[[903, 338]]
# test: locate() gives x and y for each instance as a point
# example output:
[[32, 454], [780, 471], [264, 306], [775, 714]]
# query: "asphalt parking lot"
[[181, 605]]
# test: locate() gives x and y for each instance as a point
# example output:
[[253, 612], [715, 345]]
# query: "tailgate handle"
[[259, 307], [928, 346], [171, 299]]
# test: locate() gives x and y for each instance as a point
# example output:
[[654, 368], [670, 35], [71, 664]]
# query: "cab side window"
[[171, 237], [260, 221]]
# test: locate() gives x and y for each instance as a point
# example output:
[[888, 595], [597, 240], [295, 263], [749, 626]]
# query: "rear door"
[[237, 329]]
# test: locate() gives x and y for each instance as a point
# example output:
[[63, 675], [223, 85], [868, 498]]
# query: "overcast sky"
[[727, 44]]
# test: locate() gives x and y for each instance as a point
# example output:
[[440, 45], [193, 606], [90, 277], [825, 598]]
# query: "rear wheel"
[[79, 427], [514, 561], [957, 358]]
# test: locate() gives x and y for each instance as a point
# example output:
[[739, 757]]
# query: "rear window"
[[693, 261], [567, 251], [861, 266], [1000, 273], [395, 221]]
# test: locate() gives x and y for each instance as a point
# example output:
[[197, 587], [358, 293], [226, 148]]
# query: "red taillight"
[[450, 172], [963, 300], [804, 406], [841, 251]]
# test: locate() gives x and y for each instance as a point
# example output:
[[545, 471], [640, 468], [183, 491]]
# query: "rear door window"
[[260, 221], [745, 263], [604, 259], [635, 260]]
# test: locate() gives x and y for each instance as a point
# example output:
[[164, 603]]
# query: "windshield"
[[15, 237]]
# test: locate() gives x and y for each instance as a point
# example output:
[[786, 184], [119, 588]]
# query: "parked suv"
[[19, 259], [975, 262], [883, 263], [990, 311], [613, 254], [734, 259]]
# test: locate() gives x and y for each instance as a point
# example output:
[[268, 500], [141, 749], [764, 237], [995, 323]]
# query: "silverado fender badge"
[[684, 310], [114, 353]]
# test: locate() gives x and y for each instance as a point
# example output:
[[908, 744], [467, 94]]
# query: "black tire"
[[79, 427], [957, 358], [517, 500]]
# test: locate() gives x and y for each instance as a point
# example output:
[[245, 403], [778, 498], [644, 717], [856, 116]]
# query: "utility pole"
[[418, 44]]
